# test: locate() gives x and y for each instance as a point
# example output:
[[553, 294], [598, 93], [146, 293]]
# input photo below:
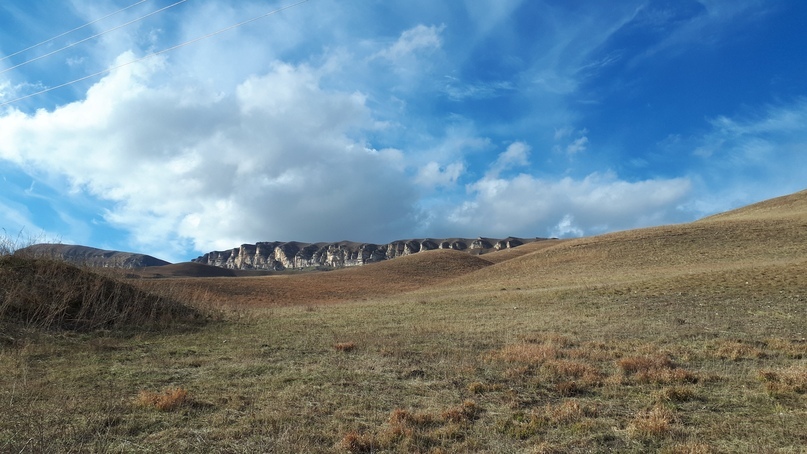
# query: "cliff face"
[[88, 256], [290, 255]]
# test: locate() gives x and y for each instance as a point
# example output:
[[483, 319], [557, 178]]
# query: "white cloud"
[[577, 146], [456, 90], [276, 160], [528, 206], [433, 175], [745, 160], [419, 38], [516, 155]]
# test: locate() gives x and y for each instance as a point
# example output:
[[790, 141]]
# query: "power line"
[[154, 54], [92, 37], [70, 31]]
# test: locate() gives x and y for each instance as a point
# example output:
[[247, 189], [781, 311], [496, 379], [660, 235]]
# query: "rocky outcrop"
[[295, 255], [88, 256]]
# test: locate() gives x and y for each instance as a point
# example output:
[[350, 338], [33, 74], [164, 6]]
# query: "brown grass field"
[[686, 338]]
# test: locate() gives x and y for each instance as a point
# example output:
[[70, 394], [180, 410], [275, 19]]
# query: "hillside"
[[48, 294], [687, 338], [770, 233], [89, 256], [735, 243], [385, 278]]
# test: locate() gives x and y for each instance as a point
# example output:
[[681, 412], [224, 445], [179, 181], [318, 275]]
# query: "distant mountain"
[[88, 256], [295, 255]]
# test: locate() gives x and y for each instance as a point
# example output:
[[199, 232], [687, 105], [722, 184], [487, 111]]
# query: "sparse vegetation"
[[682, 339]]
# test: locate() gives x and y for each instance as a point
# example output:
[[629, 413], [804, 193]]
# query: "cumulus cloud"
[[525, 205], [276, 159], [529, 206]]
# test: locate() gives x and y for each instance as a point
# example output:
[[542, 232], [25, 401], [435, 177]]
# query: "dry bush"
[[554, 339], [524, 426], [478, 387], [736, 351], [593, 351], [569, 411], [406, 430], [563, 369], [526, 353], [468, 411], [400, 417], [781, 381], [676, 394], [635, 364], [652, 424], [568, 388], [657, 369], [792, 348], [344, 346], [167, 400], [689, 448], [356, 443]]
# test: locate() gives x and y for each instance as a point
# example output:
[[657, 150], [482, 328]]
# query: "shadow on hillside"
[[52, 295]]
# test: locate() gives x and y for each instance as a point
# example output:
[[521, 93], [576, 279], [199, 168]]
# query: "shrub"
[[652, 424], [356, 443], [780, 381], [345, 346], [167, 400], [658, 369], [527, 353], [468, 411]]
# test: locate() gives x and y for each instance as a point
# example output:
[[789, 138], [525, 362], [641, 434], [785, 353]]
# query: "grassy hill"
[[687, 338], [385, 278]]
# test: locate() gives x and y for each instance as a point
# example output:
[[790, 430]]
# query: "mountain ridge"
[[280, 255]]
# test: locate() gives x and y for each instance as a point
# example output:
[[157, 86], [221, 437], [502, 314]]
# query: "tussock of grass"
[[167, 400], [652, 424], [788, 380], [345, 346], [658, 369]]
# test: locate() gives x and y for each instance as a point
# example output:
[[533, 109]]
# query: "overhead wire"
[[153, 54], [70, 31], [92, 37]]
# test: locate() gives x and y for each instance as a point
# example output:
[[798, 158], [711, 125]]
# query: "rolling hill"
[[768, 238], [686, 338]]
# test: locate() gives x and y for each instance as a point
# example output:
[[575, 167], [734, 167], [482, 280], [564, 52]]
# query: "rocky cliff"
[[290, 255], [88, 256]]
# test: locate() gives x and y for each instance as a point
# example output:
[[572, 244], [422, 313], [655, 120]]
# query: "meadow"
[[686, 338]]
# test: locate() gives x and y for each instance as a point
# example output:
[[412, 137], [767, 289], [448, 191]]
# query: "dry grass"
[[677, 339], [792, 379], [652, 424], [167, 400], [47, 294], [345, 346]]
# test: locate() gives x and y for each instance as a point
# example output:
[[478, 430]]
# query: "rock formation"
[[294, 255]]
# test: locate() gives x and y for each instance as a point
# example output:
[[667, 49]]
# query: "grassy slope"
[[686, 338], [359, 283]]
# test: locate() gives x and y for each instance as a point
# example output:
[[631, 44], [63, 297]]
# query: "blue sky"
[[381, 120]]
